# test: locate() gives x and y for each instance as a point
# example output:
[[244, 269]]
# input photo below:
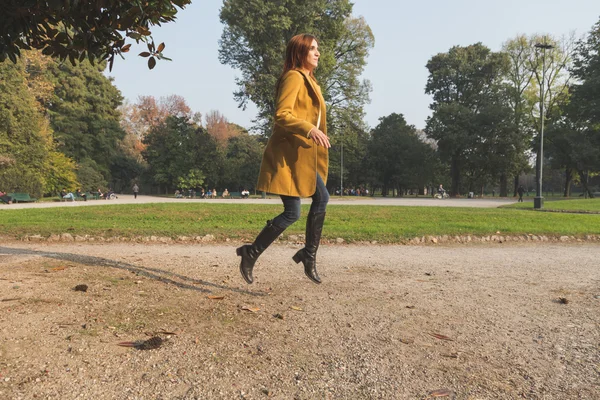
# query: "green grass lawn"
[[591, 205], [243, 221]]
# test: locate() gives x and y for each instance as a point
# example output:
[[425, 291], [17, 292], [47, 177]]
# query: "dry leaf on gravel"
[[439, 336], [153, 343], [406, 341], [450, 355], [251, 309], [441, 393], [563, 300], [127, 344], [56, 269], [216, 297], [81, 288], [295, 308], [166, 332]]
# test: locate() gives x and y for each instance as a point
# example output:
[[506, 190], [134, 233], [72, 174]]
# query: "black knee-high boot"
[[308, 255], [250, 252]]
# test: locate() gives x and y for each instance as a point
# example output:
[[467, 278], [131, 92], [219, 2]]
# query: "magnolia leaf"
[[127, 344], [441, 393], [144, 54], [126, 48], [438, 336], [151, 62], [160, 48]]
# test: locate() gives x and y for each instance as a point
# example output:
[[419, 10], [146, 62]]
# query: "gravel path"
[[378, 201], [482, 321]]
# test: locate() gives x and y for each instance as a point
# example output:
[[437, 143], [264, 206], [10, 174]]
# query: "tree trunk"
[[455, 173], [568, 181], [503, 185], [584, 182]]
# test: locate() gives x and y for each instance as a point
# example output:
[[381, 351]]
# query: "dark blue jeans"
[[291, 205]]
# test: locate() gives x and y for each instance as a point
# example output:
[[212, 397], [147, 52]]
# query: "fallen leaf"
[[127, 344], [165, 332], [563, 300], [252, 309], [407, 341], [296, 308], [56, 269], [278, 316], [438, 336], [410, 306], [450, 355], [216, 297], [441, 393], [81, 288], [152, 343]]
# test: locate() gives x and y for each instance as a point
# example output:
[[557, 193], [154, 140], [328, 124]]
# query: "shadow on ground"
[[183, 282]]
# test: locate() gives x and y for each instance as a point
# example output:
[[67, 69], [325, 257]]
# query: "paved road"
[[378, 201]]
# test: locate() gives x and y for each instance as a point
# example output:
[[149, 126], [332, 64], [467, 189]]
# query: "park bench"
[[22, 198], [89, 196]]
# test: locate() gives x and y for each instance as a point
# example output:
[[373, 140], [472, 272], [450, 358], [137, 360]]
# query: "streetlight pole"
[[342, 166], [538, 202]]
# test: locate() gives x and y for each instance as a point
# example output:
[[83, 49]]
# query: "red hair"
[[296, 53]]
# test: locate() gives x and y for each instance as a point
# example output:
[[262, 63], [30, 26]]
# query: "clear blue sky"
[[406, 37]]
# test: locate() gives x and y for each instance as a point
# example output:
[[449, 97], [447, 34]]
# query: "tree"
[[243, 156], [401, 159], [193, 179], [549, 67], [254, 40], [220, 128], [77, 30], [519, 92], [23, 133], [84, 115], [354, 140], [178, 147], [29, 161], [137, 119], [467, 109], [574, 136]]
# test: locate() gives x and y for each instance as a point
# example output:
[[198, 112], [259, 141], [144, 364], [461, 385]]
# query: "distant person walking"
[[520, 191], [136, 189], [296, 158]]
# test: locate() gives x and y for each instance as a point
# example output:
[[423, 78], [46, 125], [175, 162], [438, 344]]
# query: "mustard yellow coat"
[[291, 160]]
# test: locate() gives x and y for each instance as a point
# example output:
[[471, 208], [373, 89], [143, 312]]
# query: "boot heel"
[[297, 257]]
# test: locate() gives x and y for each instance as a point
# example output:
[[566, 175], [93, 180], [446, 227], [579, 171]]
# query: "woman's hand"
[[319, 137]]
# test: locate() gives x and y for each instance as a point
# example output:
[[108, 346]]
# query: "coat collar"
[[313, 84]]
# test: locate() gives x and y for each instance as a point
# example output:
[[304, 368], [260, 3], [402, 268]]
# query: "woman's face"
[[312, 60]]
